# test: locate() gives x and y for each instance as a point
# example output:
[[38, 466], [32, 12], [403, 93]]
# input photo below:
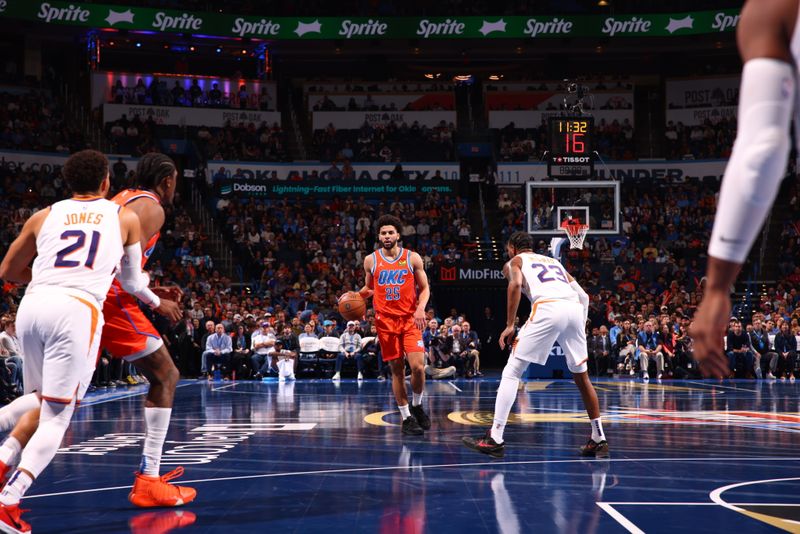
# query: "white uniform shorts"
[[551, 321], [59, 333]]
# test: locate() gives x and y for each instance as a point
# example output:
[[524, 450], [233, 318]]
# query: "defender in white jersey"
[[769, 43], [559, 307], [80, 244]]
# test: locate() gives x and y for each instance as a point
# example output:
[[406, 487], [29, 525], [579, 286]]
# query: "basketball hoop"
[[576, 232]]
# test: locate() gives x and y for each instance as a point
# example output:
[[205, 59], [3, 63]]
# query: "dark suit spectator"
[[457, 345], [240, 361], [740, 358], [786, 347], [474, 346], [188, 336], [626, 344], [600, 349]]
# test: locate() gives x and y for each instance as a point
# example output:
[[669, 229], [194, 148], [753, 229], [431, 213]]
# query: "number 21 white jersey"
[[79, 246], [545, 278]]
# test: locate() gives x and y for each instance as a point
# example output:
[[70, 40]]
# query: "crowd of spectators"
[[368, 104], [386, 143], [337, 86], [711, 140], [158, 93], [35, 120], [242, 142]]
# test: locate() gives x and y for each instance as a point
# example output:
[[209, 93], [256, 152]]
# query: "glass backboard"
[[596, 203]]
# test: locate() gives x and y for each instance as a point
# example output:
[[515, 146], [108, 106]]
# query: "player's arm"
[[131, 277], [367, 291], [423, 287], [582, 296], [514, 294], [16, 266], [756, 167]]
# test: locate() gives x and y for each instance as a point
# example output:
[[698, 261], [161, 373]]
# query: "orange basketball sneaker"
[[151, 492], [11, 519]]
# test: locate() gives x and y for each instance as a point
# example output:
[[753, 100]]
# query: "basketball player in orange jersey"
[[80, 245], [769, 43], [128, 334], [396, 281]]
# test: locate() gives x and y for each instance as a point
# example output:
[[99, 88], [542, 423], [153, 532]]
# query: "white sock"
[[416, 399], [157, 423], [405, 413], [506, 395], [16, 488], [10, 450], [597, 431], [11, 413]]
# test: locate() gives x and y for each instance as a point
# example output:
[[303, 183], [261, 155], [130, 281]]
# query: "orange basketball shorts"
[[398, 336], [127, 332]]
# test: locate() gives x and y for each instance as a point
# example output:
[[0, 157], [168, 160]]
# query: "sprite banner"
[[306, 28], [323, 189]]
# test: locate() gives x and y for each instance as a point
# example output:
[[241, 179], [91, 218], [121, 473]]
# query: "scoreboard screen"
[[571, 147]]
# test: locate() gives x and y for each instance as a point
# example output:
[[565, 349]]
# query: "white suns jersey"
[[544, 278], [79, 246]]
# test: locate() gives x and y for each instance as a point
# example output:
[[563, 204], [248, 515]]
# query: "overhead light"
[[138, 44], [244, 51], [416, 50], [192, 48], [599, 49], [111, 43], [496, 77], [462, 78], [602, 3], [219, 50], [519, 50]]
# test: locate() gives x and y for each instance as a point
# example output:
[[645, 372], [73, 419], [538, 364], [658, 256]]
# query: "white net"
[[576, 233]]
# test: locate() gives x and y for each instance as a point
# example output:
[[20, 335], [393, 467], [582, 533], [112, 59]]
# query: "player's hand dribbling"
[[170, 309], [708, 330], [169, 292], [506, 337], [366, 293]]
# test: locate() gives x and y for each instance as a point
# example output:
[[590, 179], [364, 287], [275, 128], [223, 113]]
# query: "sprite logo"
[[556, 26], [350, 29], [612, 26], [427, 28], [263, 27], [71, 13], [723, 22], [162, 21]]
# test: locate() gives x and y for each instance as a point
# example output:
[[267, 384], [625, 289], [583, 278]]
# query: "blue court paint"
[[317, 456]]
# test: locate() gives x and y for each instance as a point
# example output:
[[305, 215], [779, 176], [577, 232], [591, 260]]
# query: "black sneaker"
[[421, 417], [486, 445], [411, 427], [598, 450]]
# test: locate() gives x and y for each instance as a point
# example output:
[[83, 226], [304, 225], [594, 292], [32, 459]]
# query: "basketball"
[[352, 306]]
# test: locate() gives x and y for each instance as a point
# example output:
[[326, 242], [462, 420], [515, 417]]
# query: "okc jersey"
[[545, 278], [394, 284], [79, 246], [123, 198]]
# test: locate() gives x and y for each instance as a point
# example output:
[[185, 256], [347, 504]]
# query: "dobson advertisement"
[[317, 189]]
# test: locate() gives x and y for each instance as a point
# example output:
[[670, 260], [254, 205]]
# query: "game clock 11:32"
[[571, 136]]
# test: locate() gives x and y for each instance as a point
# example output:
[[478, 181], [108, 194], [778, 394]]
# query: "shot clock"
[[571, 147]]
